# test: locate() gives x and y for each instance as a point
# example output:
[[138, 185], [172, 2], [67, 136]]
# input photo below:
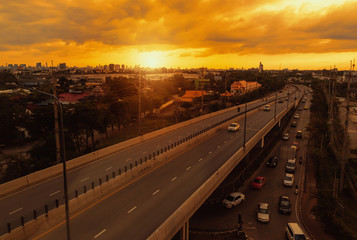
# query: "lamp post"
[[65, 188], [276, 96], [245, 117]]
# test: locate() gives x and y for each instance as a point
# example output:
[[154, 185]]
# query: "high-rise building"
[[111, 67], [62, 66], [260, 67], [38, 65]]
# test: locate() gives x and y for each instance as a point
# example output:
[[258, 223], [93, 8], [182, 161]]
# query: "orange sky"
[[304, 34]]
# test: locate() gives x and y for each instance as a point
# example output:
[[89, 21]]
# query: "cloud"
[[217, 26]]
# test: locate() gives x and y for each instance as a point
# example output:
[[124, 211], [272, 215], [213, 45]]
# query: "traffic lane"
[[269, 194], [77, 180], [198, 174]]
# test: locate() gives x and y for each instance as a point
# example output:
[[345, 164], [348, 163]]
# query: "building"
[[111, 67], [260, 67], [190, 95], [240, 87], [62, 66], [38, 65]]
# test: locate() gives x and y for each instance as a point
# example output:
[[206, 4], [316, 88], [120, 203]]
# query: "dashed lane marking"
[[173, 179], [84, 179], [188, 168], [100, 233], [54, 193], [132, 209], [15, 211], [156, 192]]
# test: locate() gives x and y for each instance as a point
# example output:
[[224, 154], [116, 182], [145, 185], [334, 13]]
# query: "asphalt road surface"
[[136, 211], [217, 217]]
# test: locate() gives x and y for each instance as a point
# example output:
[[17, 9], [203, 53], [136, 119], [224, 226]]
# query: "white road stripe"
[[129, 159], [54, 193], [218, 146], [173, 179], [158, 146], [108, 168], [156, 192], [144, 152], [15, 211], [188, 168], [100, 233], [225, 141], [209, 152], [200, 159], [132, 209], [84, 179]]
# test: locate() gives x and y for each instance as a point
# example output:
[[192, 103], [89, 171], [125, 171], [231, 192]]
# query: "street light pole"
[[65, 188], [276, 96], [245, 117]]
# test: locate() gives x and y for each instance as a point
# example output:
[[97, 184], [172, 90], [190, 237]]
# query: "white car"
[[296, 116], [233, 199], [285, 137], [263, 213], [267, 108], [233, 127], [288, 180]]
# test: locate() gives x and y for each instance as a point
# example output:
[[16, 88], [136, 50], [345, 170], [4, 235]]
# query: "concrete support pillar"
[[184, 232], [262, 142], [279, 122]]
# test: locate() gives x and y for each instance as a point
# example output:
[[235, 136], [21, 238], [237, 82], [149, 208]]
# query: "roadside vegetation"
[[341, 223], [102, 120]]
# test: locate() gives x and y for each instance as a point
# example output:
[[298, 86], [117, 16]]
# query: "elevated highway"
[[158, 203]]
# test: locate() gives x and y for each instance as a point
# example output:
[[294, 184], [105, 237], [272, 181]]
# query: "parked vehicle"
[[263, 213], [299, 134], [258, 183], [291, 165], [285, 137], [288, 180], [233, 199], [284, 205], [294, 232], [272, 161]]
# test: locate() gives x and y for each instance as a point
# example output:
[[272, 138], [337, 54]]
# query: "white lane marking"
[[144, 152], [132, 209], [232, 136], [158, 146], [54, 193], [218, 146], [209, 152], [108, 168], [15, 211], [200, 159], [84, 179], [188, 168], [156, 192], [100, 233], [225, 141], [173, 179], [129, 159]]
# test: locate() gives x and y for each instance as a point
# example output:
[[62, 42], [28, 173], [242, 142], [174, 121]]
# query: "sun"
[[152, 59]]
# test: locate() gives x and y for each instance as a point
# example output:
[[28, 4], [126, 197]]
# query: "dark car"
[[293, 124], [280, 101], [284, 205], [272, 162], [299, 134]]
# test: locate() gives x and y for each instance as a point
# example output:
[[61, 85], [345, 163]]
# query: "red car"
[[258, 182]]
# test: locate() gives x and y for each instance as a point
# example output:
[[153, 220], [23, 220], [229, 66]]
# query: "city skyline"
[[187, 34]]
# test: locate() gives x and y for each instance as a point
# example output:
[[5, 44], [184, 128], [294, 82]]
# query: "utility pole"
[[245, 116], [276, 97], [202, 83], [55, 108], [225, 89], [139, 115], [345, 149]]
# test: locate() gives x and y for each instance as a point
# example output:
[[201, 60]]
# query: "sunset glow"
[[308, 34]]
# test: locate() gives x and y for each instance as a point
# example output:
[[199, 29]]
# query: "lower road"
[[218, 218]]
